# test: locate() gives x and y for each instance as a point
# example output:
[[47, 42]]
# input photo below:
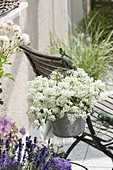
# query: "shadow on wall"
[[32, 22], [31, 28], [14, 69]]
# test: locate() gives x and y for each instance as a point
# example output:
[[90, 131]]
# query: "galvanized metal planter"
[[7, 5], [63, 128]]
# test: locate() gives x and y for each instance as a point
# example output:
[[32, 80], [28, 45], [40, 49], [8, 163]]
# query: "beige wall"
[[45, 16], [37, 20]]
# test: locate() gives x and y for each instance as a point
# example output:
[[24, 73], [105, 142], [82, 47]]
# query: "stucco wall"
[[46, 16], [37, 20]]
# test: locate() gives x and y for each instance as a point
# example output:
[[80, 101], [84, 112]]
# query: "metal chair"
[[98, 134]]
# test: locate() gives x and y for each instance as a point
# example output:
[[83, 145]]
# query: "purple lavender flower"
[[7, 145], [60, 164], [6, 124], [35, 140], [8, 129], [20, 150], [1, 142], [22, 131], [34, 157]]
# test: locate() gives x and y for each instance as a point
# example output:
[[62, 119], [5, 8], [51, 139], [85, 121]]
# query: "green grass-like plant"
[[97, 19], [87, 52], [92, 47]]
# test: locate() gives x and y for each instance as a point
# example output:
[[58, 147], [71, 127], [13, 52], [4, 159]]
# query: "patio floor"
[[83, 154]]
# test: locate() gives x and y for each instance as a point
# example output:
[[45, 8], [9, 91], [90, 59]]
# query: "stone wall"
[[38, 20]]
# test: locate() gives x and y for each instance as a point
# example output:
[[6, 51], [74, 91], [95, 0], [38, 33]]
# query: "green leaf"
[[9, 76], [9, 63], [1, 73]]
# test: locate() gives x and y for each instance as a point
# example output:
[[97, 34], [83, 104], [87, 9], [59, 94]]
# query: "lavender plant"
[[29, 155], [9, 130]]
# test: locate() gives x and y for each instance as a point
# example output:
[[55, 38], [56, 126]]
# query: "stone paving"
[[84, 154]]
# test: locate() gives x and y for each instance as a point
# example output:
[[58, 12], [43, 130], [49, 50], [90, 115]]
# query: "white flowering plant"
[[68, 92], [11, 37]]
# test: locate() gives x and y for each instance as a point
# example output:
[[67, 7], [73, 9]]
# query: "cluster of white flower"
[[68, 92], [11, 37]]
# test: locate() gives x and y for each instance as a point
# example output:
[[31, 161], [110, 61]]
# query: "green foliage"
[[94, 56], [92, 48], [4, 60], [97, 20], [56, 44]]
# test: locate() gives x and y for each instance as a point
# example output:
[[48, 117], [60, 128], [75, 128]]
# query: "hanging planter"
[[7, 5], [63, 128]]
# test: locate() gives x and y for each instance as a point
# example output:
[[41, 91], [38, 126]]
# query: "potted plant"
[[65, 99]]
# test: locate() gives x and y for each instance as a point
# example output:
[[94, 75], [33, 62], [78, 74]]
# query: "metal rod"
[[72, 147], [96, 140], [79, 165]]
